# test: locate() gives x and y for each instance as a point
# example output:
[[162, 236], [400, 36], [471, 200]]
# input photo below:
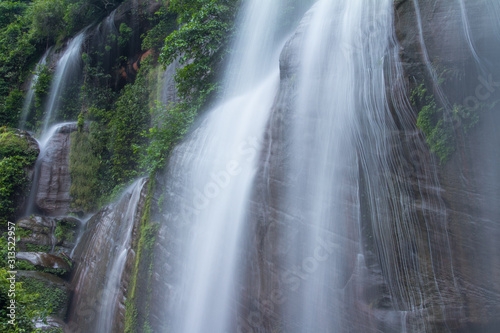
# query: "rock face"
[[44, 260], [99, 281], [54, 181], [467, 46], [51, 235], [441, 275]]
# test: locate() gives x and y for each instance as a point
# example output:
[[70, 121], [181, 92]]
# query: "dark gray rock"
[[44, 260], [47, 234], [54, 181], [94, 257], [469, 181]]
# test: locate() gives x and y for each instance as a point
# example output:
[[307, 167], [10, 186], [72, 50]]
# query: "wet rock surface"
[[44, 260], [469, 181], [53, 184], [48, 234], [94, 257]]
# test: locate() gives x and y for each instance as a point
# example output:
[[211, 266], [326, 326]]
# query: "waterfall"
[[103, 253], [105, 41], [210, 178], [120, 252], [314, 171], [66, 69], [350, 177], [28, 100], [46, 142]]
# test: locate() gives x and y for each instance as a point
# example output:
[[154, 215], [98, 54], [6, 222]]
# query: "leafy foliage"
[[200, 44], [131, 118], [27, 28], [171, 123], [440, 126], [163, 23], [125, 34], [16, 154], [83, 166], [50, 297], [26, 310]]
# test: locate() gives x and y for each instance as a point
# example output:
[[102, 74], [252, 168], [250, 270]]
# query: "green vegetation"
[[50, 297], [27, 28], [171, 124], [26, 310], [122, 132], [83, 165], [163, 23], [41, 90], [37, 248], [441, 126], [65, 231], [131, 118], [16, 154], [201, 45], [125, 34]]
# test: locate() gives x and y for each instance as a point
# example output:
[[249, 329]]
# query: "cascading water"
[[66, 67], [348, 226], [118, 257], [102, 255], [28, 100], [306, 200], [106, 40], [44, 158], [350, 174], [210, 178]]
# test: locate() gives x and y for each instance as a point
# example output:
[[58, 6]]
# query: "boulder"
[[46, 234]]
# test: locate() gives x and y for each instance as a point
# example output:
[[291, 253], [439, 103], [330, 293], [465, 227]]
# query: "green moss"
[[23, 233], [26, 309], [83, 168], [51, 297], [14, 144], [143, 263], [37, 248], [440, 126]]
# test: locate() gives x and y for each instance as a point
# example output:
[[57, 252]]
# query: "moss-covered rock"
[[44, 234], [45, 262], [54, 292], [18, 153]]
